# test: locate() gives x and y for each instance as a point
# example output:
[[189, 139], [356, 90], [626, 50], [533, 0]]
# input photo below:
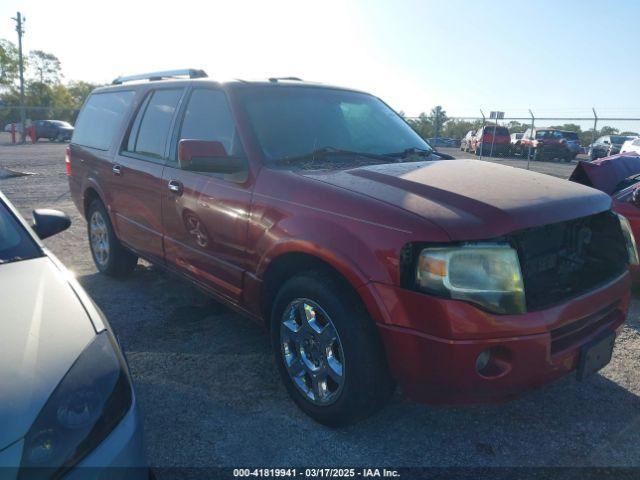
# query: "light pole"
[[19, 19]]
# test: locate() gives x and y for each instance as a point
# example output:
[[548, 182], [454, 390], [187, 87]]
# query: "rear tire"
[[364, 386], [110, 257]]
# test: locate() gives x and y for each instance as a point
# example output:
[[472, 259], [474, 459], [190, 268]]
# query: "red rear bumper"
[[432, 344]]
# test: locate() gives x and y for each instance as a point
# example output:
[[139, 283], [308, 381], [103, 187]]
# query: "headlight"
[[629, 239], [84, 408], [485, 274]]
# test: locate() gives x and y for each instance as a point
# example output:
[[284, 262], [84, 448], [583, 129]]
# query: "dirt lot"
[[210, 395]]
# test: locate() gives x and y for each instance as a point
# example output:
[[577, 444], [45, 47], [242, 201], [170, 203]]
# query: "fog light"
[[494, 362], [483, 360]]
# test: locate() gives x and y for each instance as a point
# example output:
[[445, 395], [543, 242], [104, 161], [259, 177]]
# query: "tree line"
[[47, 95], [438, 124]]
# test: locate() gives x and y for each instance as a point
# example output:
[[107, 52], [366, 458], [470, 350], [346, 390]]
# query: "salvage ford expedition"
[[373, 261]]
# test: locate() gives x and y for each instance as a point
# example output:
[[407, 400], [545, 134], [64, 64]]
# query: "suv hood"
[[43, 327], [471, 199]]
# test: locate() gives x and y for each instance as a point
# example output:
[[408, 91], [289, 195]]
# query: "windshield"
[[295, 121], [15, 242], [619, 140], [60, 123], [548, 134], [570, 135]]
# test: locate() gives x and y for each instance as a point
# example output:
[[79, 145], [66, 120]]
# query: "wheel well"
[[89, 196], [287, 266]]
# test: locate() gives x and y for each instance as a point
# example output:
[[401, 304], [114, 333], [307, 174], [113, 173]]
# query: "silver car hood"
[[43, 329]]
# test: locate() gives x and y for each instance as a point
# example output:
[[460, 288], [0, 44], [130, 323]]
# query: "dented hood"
[[471, 199], [606, 173]]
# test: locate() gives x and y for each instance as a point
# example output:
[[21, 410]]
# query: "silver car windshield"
[[15, 242]]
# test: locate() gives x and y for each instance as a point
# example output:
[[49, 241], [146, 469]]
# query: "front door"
[[206, 215], [137, 174]]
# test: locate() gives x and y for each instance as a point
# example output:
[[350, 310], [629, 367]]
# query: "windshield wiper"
[[11, 260], [326, 151], [420, 152]]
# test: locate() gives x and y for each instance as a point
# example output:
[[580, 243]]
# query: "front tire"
[[327, 350], [109, 256]]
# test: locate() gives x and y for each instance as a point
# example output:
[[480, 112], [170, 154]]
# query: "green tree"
[[9, 69], [79, 91], [438, 118], [606, 130], [458, 128], [45, 67]]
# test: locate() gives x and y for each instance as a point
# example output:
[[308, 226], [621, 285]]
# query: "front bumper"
[[432, 344]]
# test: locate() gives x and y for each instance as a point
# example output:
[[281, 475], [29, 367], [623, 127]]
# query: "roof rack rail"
[[153, 76], [277, 79]]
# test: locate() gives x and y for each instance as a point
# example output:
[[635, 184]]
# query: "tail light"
[[67, 160]]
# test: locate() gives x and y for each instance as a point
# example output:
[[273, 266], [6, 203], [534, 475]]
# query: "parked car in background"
[[607, 145], [320, 213], [573, 142], [515, 141], [491, 140], [442, 142], [619, 177], [544, 144], [54, 130], [66, 401], [631, 145], [465, 143], [9, 126]]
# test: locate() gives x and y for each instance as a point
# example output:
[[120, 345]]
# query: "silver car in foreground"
[[66, 400]]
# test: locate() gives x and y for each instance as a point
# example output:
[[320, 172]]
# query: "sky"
[[558, 58]]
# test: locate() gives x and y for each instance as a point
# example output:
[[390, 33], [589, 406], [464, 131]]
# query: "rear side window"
[[100, 118], [151, 127]]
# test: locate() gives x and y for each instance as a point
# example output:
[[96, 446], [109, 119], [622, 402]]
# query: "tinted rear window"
[[100, 117], [499, 130]]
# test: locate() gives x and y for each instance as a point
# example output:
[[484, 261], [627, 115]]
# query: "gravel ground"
[[210, 395]]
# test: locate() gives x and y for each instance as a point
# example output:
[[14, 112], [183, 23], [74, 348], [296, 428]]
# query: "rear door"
[[206, 219], [137, 173]]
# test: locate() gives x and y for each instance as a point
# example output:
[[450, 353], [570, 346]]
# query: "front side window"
[[294, 121], [150, 129], [100, 118], [208, 117]]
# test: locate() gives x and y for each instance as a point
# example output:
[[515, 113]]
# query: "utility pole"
[[484, 121], [19, 19], [595, 126]]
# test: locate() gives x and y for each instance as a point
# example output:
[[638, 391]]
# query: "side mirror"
[[606, 142], [206, 156], [635, 197], [48, 222]]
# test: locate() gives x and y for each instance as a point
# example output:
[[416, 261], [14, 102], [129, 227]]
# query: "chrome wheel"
[[312, 352], [99, 236]]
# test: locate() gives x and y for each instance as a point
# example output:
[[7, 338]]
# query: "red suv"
[[319, 212], [544, 144], [491, 140]]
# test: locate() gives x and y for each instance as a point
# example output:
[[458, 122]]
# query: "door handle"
[[116, 169], [175, 187]]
